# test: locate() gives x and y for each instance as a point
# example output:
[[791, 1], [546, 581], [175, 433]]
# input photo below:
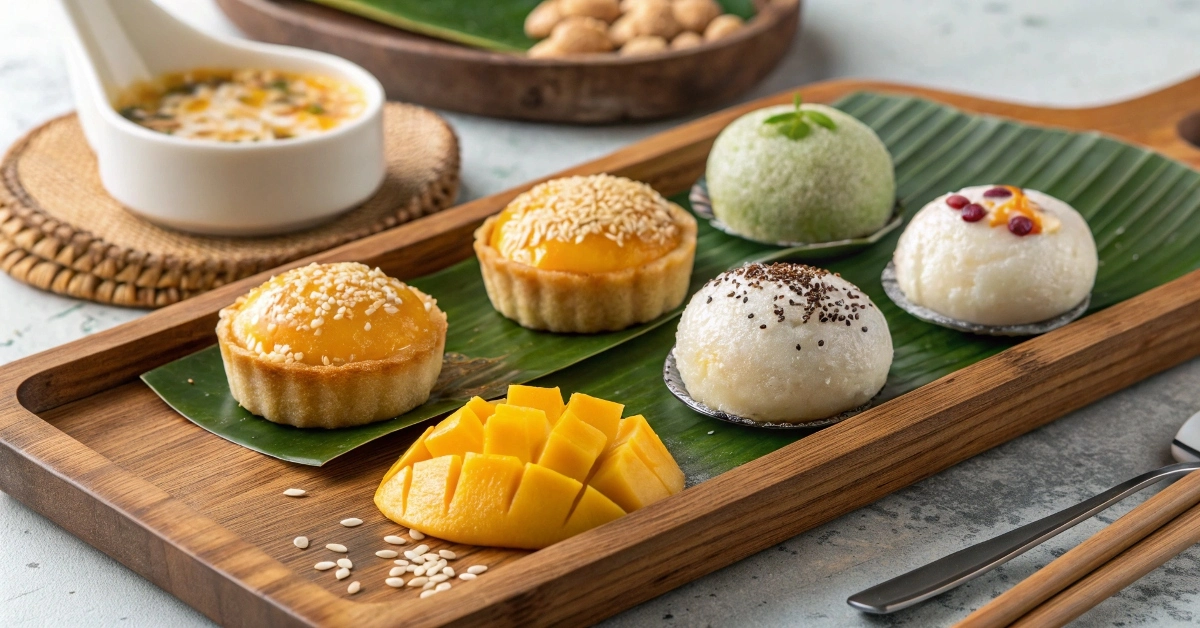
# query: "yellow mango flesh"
[[527, 484], [548, 400]]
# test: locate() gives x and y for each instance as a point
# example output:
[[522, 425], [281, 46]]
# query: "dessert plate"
[[892, 288], [702, 205], [675, 384]]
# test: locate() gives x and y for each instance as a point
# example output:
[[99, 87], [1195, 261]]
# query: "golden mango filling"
[[250, 105], [592, 224], [528, 472], [331, 315]]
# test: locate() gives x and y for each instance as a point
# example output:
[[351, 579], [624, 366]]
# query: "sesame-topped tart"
[[587, 254], [332, 345]]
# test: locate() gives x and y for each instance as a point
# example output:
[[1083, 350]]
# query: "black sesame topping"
[[820, 343], [864, 330]]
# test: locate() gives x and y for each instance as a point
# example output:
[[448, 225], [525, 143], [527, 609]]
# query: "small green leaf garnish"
[[816, 117], [794, 125]]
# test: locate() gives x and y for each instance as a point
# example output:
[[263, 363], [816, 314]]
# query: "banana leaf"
[[1142, 207], [490, 24]]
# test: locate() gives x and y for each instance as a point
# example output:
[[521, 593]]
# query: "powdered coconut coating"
[[830, 185], [978, 273], [782, 343]]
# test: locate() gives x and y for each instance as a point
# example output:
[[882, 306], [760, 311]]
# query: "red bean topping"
[[957, 201], [998, 192], [1020, 225], [973, 212]]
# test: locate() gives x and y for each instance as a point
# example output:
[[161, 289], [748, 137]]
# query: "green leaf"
[[485, 351], [491, 24], [781, 117], [1144, 210], [816, 117], [797, 130], [797, 100]]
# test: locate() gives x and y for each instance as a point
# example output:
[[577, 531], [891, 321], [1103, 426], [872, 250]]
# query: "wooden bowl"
[[592, 89]]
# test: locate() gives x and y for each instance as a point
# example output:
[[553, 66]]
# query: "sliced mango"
[[460, 433], [517, 478], [548, 400], [482, 409], [599, 413]]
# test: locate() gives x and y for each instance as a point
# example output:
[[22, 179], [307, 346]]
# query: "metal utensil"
[[967, 564]]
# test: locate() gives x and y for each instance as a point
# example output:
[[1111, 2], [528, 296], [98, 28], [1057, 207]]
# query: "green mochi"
[[830, 185]]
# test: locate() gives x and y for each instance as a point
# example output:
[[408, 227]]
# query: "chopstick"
[[1120, 572], [1090, 556]]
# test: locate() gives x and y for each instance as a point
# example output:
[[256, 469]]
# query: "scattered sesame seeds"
[[300, 542], [324, 565], [336, 547], [449, 571], [395, 583], [351, 522], [397, 571], [820, 343], [387, 553], [418, 550], [429, 593], [191, 381], [447, 554], [342, 574], [572, 208], [295, 492], [417, 535], [467, 576], [354, 587], [442, 586], [419, 581], [477, 569], [394, 540], [711, 432], [439, 578], [401, 562], [345, 563]]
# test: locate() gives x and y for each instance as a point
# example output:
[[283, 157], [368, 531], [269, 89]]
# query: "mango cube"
[[599, 413], [482, 409], [548, 400], [460, 433], [573, 447], [507, 474]]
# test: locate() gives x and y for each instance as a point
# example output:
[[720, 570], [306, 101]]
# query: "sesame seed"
[[467, 576], [345, 563], [300, 542], [394, 582], [477, 569], [442, 586], [416, 535], [352, 522], [342, 574], [419, 550], [336, 547], [394, 540], [397, 571], [295, 492], [387, 553], [324, 565], [429, 593], [418, 581], [447, 554], [354, 587]]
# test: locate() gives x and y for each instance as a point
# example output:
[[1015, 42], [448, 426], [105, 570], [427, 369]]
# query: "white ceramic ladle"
[[967, 564], [211, 187]]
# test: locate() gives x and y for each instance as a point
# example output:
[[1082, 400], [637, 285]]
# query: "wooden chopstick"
[[1118, 573], [1089, 556]]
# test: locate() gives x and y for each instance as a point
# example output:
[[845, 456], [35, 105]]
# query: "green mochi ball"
[[829, 185]]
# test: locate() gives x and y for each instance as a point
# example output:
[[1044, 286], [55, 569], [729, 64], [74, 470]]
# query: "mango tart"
[[331, 346], [529, 471], [587, 254]]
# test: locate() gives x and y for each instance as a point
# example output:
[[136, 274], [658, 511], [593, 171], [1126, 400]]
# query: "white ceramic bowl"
[[209, 187]]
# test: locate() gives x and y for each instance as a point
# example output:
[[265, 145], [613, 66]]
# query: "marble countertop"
[[1065, 52]]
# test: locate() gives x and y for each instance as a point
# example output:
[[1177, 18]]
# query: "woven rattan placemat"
[[60, 231]]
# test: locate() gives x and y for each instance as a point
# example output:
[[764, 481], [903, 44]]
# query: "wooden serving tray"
[[83, 442], [592, 89]]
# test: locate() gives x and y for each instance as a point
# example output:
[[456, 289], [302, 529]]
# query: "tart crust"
[[340, 395], [585, 303]]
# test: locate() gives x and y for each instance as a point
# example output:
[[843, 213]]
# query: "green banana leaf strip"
[[1144, 211], [1141, 206], [489, 24], [485, 353]]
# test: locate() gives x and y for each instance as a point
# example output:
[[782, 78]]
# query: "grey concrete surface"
[[1068, 53]]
